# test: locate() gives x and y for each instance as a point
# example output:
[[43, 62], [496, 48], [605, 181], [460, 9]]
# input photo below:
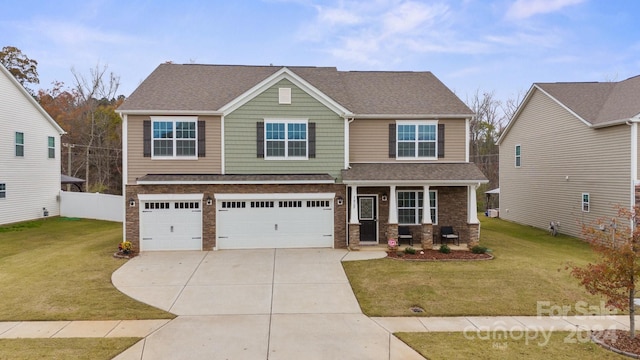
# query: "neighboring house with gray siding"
[[228, 157], [29, 155], [570, 154]]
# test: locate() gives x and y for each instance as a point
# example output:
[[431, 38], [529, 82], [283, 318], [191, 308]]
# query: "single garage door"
[[269, 221], [171, 224]]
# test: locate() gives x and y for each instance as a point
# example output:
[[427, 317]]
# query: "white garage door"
[[262, 222], [170, 225]]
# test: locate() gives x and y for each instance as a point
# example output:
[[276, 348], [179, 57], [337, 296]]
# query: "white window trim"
[[517, 158], [418, 207], [3, 191], [49, 148], [174, 120], [416, 123], [15, 140], [583, 203], [286, 140]]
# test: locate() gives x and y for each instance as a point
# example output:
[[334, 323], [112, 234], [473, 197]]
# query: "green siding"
[[240, 135]]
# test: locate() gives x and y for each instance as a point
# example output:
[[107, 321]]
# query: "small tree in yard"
[[614, 275]]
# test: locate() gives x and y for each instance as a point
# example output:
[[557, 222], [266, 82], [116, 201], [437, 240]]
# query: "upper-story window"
[[417, 139], [51, 146], [586, 202], [175, 138], [286, 139], [518, 156], [3, 190], [19, 144]]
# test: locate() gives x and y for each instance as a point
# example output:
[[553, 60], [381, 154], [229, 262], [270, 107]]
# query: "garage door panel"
[[171, 225], [279, 224]]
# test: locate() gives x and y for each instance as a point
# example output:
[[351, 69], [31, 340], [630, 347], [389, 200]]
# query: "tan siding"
[[138, 165], [369, 141], [556, 145]]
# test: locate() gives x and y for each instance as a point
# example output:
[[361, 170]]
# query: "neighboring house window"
[[416, 140], [3, 190], [410, 204], [19, 144], [52, 147], [586, 202], [518, 160], [285, 139], [175, 138]]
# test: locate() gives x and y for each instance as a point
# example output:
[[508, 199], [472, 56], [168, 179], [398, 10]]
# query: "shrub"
[[125, 247], [409, 250], [479, 249], [444, 249]]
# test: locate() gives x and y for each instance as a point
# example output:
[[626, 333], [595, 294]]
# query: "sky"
[[500, 46]]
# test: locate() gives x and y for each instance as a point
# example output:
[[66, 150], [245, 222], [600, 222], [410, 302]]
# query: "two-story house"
[[570, 154], [228, 157], [29, 155]]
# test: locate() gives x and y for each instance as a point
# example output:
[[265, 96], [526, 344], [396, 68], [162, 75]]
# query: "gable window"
[[51, 146], [410, 205], [416, 139], [19, 144], [3, 190], [285, 139], [586, 202], [518, 160], [175, 138]]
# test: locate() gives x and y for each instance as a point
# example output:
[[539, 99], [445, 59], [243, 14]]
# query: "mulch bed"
[[435, 255], [618, 341]]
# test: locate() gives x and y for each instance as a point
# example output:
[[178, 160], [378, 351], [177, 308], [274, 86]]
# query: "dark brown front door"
[[368, 217]]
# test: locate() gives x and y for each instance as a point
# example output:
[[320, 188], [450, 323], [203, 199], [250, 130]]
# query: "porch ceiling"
[[429, 173]]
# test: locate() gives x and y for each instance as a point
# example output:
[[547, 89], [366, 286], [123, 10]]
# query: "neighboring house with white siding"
[[29, 155], [570, 154]]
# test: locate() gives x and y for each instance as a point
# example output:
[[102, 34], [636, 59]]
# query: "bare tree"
[[97, 95]]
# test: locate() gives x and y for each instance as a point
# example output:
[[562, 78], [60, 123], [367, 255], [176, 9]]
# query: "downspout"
[[467, 137], [634, 164], [347, 122], [222, 155], [125, 173]]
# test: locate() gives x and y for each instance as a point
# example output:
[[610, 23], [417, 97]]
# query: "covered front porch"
[[418, 198]]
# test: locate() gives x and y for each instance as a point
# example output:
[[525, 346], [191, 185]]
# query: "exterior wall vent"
[[284, 96]]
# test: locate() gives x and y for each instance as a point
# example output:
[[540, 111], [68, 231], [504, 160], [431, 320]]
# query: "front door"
[[368, 215]]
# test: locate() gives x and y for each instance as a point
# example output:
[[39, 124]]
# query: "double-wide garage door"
[[243, 221], [250, 221]]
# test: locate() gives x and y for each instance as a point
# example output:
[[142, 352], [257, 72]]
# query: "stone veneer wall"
[[132, 218]]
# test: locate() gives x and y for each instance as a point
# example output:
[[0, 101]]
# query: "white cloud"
[[522, 9]]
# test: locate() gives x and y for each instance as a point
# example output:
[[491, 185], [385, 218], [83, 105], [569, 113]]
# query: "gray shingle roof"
[[236, 178], [192, 87], [598, 102], [414, 172]]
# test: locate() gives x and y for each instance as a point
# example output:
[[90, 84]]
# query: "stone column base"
[[392, 232], [427, 236], [474, 235], [354, 236]]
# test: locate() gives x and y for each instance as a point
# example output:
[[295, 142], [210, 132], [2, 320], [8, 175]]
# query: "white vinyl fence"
[[91, 206]]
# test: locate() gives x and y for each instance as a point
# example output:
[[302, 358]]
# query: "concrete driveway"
[[254, 304]]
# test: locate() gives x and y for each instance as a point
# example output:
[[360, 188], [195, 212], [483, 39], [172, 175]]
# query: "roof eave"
[[415, 182], [171, 112], [412, 116]]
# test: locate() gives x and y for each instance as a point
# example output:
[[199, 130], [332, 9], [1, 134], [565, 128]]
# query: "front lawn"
[[528, 268], [516, 345], [60, 269], [64, 348]]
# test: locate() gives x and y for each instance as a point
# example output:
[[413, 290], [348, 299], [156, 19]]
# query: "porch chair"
[[404, 233], [448, 234]]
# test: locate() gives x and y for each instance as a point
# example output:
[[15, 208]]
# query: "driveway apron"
[[254, 304]]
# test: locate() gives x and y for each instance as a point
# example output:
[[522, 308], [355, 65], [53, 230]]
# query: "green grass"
[[89, 349], [529, 266], [56, 269], [560, 345]]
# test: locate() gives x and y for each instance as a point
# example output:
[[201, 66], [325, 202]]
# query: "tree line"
[[92, 146]]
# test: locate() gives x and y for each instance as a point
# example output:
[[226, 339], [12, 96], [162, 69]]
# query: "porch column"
[[472, 205], [426, 206], [393, 205], [353, 219]]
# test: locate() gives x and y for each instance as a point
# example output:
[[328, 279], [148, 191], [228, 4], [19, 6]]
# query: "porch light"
[[209, 201], [132, 202], [340, 200], [384, 197]]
